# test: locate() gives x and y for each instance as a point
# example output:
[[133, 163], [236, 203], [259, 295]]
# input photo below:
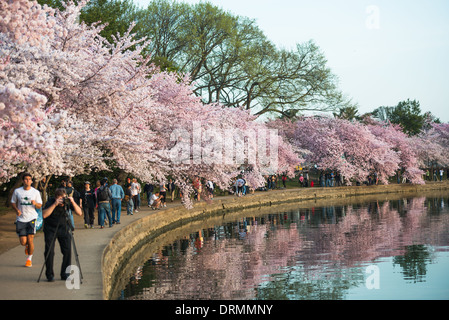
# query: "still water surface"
[[377, 250]]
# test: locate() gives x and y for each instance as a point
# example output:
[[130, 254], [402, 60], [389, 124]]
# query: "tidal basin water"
[[382, 249]]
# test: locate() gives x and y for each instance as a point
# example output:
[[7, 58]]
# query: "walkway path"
[[18, 282]]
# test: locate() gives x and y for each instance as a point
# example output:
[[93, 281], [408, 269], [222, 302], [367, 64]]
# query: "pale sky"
[[382, 51]]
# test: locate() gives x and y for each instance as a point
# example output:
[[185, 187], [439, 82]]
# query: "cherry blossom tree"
[[403, 145], [354, 149], [343, 146], [70, 100], [432, 146]]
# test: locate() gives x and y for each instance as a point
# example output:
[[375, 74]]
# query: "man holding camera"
[[57, 225]]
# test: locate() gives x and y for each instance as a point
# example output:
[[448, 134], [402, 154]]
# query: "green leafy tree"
[[347, 113], [117, 14], [408, 115], [229, 59]]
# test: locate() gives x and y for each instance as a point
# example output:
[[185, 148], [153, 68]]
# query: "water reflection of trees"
[[313, 253], [414, 262]]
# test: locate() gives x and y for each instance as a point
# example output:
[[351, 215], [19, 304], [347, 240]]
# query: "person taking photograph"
[[57, 225]]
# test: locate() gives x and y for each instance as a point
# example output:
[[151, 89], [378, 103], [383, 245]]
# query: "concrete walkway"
[[18, 282]]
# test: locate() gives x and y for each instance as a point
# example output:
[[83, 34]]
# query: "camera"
[[67, 201]]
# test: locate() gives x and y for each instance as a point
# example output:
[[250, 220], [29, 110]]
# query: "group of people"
[[57, 212], [273, 181], [109, 199], [330, 179], [197, 185], [436, 173]]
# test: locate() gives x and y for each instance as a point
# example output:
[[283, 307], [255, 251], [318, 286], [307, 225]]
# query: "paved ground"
[[18, 282]]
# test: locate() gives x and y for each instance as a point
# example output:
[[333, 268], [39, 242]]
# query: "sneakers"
[[28, 264]]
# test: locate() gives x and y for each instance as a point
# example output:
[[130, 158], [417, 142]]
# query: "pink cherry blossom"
[[70, 100]]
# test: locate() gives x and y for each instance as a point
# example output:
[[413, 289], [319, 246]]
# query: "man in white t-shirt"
[[135, 192], [25, 200]]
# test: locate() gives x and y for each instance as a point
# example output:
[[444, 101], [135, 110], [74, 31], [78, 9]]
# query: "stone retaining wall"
[[128, 241]]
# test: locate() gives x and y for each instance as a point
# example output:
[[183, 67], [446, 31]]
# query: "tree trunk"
[[18, 184]]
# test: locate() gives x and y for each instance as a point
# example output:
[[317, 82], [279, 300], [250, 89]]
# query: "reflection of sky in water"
[[316, 253]]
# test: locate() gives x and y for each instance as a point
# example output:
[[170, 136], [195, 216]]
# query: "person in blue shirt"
[[116, 202]]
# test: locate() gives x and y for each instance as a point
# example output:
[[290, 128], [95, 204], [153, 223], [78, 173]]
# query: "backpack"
[[102, 194]]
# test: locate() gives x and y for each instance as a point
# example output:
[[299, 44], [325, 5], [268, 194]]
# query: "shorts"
[[25, 228]]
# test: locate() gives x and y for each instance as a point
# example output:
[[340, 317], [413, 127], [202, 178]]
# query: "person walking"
[[196, 183], [268, 183], [148, 189], [72, 192], [163, 194], [328, 179], [97, 186], [117, 194], [210, 189], [104, 196], [129, 200], [139, 188], [25, 200], [135, 191], [171, 188], [322, 179], [56, 226], [88, 205]]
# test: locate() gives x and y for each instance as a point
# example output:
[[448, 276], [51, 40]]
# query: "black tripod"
[[52, 244]]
